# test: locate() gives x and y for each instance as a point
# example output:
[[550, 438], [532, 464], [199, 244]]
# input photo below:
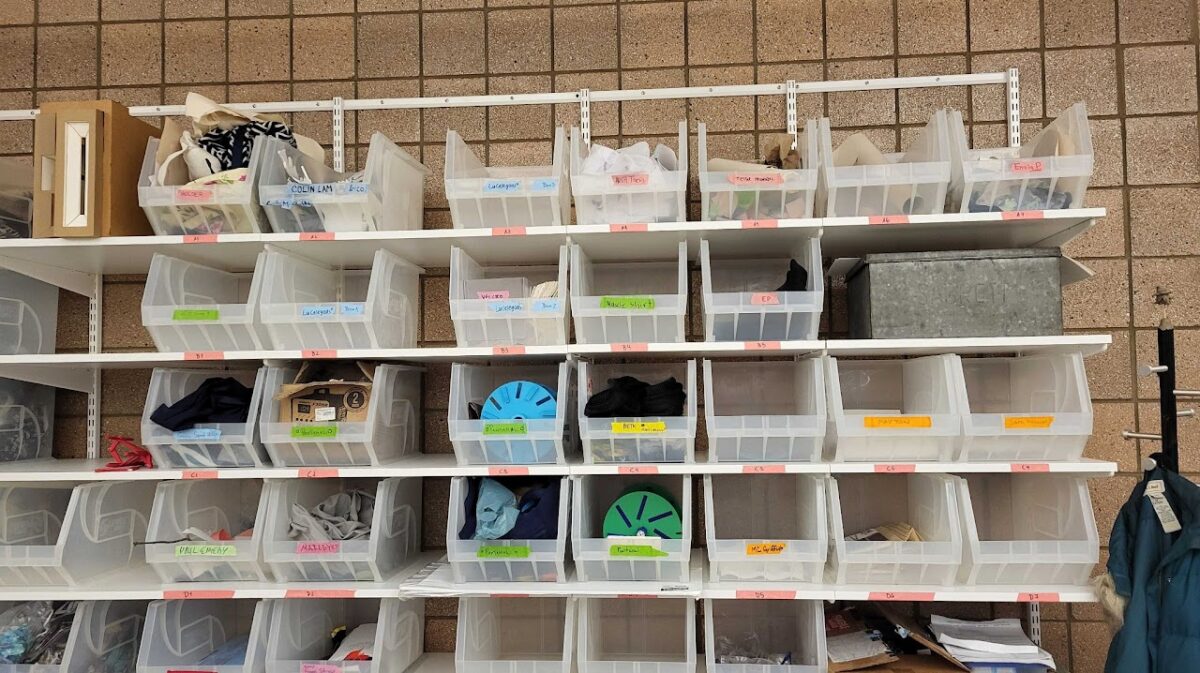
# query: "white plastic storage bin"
[[644, 557], [505, 560], [1027, 529], [191, 307], [387, 195], [515, 635], [628, 302], [54, 534], [928, 502], [209, 506], [506, 196], [510, 442], [645, 439], [913, 182], [742, 301], [26, 420], [495, 306], [206, 444], [108, 637], [765, 527], [619, 198], [390, 431], [893, 410], [637, 635], [16, 199], [395, 530], [180, 634], [307, 305], [1047, 173], [1034, 407], [792, 629], [764, 411], [763, 194], [28, 315], [301, 634], [183, 209]]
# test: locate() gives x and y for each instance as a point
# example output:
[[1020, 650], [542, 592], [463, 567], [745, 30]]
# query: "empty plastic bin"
[[309, 305], [182, 208], [299, 193], [861, 502], [515, 635], [505, 305], [395, 533], [506, 196], [210, 507], [642, 439], [191, 307], [742, 300], [764, 411], [54, 534], [520, 440], [16, 199], [28, 315], [893, 410], [765, 527], [189, 634], [1027, 529], [644, 556], [912, 182], [108, 637], [1034, 407], [791, 629], [302, 634], [628, 302], [505, 560], [637, 197], [637, 635], [390, 430], [204, 444], [26, 420], [1049, 172], [768, 194]]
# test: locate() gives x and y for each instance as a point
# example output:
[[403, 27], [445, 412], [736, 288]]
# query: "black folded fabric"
[[797, 279], [629, 397], [217, 400]]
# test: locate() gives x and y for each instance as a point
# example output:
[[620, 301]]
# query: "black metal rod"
[[1167, 405]]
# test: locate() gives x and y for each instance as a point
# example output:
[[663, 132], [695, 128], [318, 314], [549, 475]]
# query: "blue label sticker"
[[501, 186], [319, 188], [544, 185], [318, 311], [356, 308], [511, 306], [198, 435], [547, 305]]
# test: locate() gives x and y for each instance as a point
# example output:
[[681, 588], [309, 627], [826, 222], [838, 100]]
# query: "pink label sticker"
[[508, 350], [756, 178], [508, 231], [493, 294], [637, 469], [319, 547], [771, 595], [200, 238], [763, 345], [887, 219], [1030, 467], [188, 195], [764, 299], [1022, 215], [895, 468], [318, 353], [626, 227], [204, 355], [199, 474], [900, 596], [505, 471], [1038, 597], [631, 179], [630, 347], [319, 593], [763, 469], [317, 235], [317, 473], [320, 668], [196, 594], [1027, 166], [760, 224]]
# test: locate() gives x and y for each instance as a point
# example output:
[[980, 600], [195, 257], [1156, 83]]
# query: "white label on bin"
[[288, 202], [325, 414], [198, 435], [492, 294], [319, 547], [205, 550], [513, 306], [543, 185], [547, 305], [354, 187], [318, 188], [318, 310], [501, 186], [353, 308]]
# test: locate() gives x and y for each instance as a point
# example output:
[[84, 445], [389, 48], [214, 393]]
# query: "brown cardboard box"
[[342, 395], [918, 663]]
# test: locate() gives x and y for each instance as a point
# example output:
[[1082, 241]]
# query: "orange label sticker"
[[508, 231], [775, 595], [763, 469], [508, 350], [204, 355], [760, 224], [317, 472], [1026, 468], [762, 345], [900, 596], [631, 179], [1022, 215], [200, 238], [895, 468], [1028, 422], [765, 548], [637, 469], [887, 219], [504, 471], [317, 235], [196, 594], [318, 353], [319, 593], [764, 299], [199, 474], [628, 227], [630, 348], [1027, 166], [891, 422], [749, 179], [1038, 597]]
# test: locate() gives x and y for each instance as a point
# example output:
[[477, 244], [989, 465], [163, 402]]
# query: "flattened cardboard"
[[919, 634]]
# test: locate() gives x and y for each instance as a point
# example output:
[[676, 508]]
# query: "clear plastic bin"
[[531, 441], [395, 530], [389, 196], [56, 534], [26, 420], [637, 635], [205, 444], [390, 431], [928, 502], [505, 560], [765, 527], [310, 305], [634, 302], [506, 196], [301, 641], [913, 182], [741, 301], [107, 637], [191, 307], [16, 199], [494, 306], [893, 410], [649, 558], [180, 634], [1027, 529], [28, 315], [181, 209], [515, 635], [629, 197], [645, 439], [1034, 407], [795, 628], [759, 195], [764, 411], [209, 505], [1047, 173]]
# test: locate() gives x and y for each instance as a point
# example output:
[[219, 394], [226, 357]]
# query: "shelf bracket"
[[74, 281], [792, 122], [1014, 108], [1035, 623], [585, 115], [95, 345], [339, 134]]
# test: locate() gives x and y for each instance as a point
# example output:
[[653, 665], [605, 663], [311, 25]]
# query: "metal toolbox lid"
[[958, 255]]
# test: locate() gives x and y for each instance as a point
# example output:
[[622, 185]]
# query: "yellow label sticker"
[[638, 427], [889, 422], [1028, 422], [765, 548]]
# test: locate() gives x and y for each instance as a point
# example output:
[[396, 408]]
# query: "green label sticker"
[[642, 550], [505, 428], [185, 314], [503, 552], [306, 431], [628, 303], [205, 550]]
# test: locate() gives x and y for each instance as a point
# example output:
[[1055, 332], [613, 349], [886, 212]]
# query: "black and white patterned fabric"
[[232, 146]]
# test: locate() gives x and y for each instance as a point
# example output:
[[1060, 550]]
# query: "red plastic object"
[[126, 456]]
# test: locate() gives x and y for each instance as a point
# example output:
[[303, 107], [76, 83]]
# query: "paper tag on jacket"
[[1155, 490]]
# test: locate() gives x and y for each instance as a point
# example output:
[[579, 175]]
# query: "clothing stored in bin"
[[634, 160], [748, 650], [217, 400], [517, 509], [35, 632], [358, 645], [230, 653], [26, 420], [231, 146], [342, 516], [796, 280], [780, 152], [628, 396]]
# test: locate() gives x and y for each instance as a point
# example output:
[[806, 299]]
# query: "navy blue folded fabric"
[[538, 519], [217, 400]]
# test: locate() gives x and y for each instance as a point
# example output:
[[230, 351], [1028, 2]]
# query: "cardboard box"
[[850, 645], [341, 395]]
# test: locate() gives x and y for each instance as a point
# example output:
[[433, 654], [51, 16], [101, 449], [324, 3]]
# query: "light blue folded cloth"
[[496, 511]]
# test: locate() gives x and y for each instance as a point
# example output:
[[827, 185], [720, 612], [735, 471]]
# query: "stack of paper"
[[1000, 641]]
